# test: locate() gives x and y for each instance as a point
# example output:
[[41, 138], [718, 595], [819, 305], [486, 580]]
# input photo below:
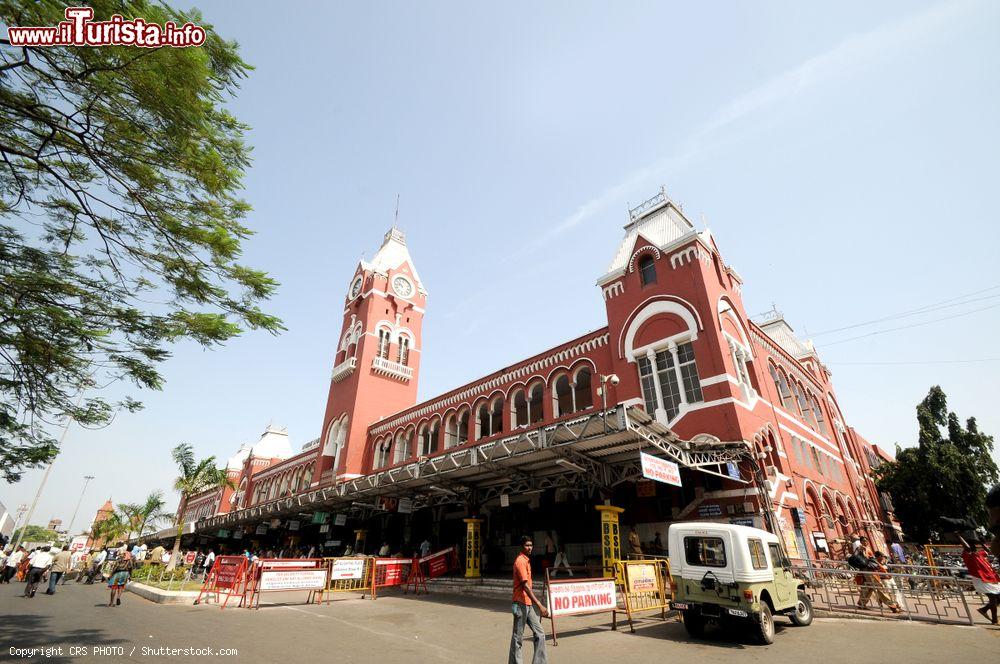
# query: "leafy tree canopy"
[[945, 475], [121, 225], [35, 534]]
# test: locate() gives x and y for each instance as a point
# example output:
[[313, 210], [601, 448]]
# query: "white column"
[[660, 413]]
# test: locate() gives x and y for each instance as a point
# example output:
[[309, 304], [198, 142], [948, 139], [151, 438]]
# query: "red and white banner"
[[227, 569], [439, 563], [298, 579], [661, 470], [79, 543], [189, 557], [585, 596], [391, 571]]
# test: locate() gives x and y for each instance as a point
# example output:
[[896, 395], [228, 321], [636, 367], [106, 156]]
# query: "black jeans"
[[34, 577]]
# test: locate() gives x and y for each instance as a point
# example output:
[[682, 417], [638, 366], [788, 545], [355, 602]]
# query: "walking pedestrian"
[[95, 566], [61, 563], [209, 560], [119, 578], [984, 577], [523, 607], [13, 560], [561, 561], [40, 564], [425, 548]]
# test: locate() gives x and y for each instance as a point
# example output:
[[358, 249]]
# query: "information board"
[[298, 579]]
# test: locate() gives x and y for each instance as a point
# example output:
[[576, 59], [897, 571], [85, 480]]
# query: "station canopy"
[[599, 450]]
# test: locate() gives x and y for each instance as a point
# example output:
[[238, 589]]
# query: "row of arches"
[[571, 391], [284, 484], [797, 399]]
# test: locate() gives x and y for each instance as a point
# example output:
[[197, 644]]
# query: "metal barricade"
[[351, 574], [834, 586], [391, 572], [644, 585]]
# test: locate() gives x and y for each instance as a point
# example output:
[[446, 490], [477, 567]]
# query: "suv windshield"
[[705, 551]]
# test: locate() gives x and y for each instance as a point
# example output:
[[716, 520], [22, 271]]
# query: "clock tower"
[[377, 361]]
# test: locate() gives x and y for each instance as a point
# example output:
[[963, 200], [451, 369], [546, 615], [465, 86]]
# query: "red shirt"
[[979, 566], [522, 573]]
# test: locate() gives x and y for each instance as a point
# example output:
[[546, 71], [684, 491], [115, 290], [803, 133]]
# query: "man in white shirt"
[[39, 565], [10, 569], [95, 565], [209, 560]]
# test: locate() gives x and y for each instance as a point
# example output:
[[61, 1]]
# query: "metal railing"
[[945, 597]]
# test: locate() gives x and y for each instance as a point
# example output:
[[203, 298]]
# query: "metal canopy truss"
[[592, 452], [705, 453]]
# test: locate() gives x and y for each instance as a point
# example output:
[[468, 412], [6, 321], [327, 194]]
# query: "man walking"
[[522, 606], [39, 565], [60, 565], [13, 560]]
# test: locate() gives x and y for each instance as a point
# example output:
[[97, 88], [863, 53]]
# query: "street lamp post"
[[69, 529]]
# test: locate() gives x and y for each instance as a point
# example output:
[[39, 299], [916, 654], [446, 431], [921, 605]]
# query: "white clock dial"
[[402, 286], [356, 288]]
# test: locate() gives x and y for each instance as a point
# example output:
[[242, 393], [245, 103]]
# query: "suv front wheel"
[[764, 628], [802, 616]]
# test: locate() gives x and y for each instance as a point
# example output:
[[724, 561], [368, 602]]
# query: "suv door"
[[785, 583]]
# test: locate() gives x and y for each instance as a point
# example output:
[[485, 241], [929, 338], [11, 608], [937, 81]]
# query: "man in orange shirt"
[[522, 607]]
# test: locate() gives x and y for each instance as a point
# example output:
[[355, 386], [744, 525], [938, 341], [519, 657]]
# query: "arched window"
[[781, 385], [496, 416], [518, 410], [647, 270], [799, 401], [583, 398], [806, 405], [428, 438], [669, 379], [403, 446], [463, 427], [450, 432], [489, 418], [383, 343], [403, 352], [381, 453], [820, 420], [562, 396]]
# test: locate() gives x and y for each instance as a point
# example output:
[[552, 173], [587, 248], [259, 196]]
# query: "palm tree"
[[111, 529], [141, 516], [195, 477]]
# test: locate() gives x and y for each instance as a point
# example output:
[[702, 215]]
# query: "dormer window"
[[647, 270]]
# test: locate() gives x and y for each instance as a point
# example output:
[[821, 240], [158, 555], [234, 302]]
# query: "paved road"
[[439, 629]]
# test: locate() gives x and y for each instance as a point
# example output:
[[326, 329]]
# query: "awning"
[[598, 450]]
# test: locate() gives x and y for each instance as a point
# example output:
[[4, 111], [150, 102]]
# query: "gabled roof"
[[659, 221], [783, 335], [392, 254]]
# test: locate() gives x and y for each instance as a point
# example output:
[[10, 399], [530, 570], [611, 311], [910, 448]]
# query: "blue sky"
[[844, 156]]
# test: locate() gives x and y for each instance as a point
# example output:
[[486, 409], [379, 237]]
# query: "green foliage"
[[121, 225], [195, 477], [35, 534], [143, 517], [943, 476]]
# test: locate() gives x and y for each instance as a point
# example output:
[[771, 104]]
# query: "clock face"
[[402, 286], [355, 288]]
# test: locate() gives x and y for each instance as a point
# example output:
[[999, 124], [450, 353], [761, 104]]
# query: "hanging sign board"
[[238, 534], [320, 517], [340, 520], [504, 500], [732, 470], [223, 533], [262, 529], [325, 528], [405, 506], [293, 525], [661, 470]]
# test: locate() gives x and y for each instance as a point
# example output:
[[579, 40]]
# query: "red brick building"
[[679, 371]]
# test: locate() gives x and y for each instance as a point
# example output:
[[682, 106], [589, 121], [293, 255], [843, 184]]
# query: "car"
[[731, 574]]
